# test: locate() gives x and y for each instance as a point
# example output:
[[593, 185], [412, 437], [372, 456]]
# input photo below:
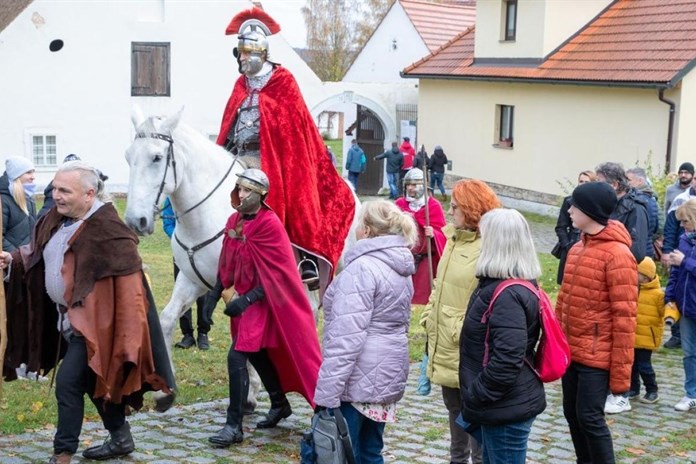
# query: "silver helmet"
[[414, 177], [255, 180], [252, 39]]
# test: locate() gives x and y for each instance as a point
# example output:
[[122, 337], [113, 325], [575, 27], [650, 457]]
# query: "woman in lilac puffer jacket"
[[367, 311]]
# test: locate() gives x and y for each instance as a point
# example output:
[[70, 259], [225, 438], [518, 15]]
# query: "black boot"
[[203, 343], [119, 443], [232, 431], [309, 271], [280, 409], [187, 342]]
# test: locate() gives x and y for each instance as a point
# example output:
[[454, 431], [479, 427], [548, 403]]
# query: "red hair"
[[474, 198]]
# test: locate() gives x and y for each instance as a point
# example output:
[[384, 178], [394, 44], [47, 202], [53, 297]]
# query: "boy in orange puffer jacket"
[[649, 329]]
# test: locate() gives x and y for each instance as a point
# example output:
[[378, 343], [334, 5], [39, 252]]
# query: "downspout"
[[670, 130]]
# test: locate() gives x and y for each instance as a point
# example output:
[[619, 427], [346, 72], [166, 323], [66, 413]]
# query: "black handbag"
[[556, 251]]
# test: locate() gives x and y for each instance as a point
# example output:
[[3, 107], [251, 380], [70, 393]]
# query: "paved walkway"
[[641, 436]]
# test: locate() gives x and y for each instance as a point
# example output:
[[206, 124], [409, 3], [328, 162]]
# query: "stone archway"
[[373, 126]]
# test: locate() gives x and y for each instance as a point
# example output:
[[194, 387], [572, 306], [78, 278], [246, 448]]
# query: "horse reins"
[[171, 160]]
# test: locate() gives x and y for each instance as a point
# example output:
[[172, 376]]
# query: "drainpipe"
[[670, 129]]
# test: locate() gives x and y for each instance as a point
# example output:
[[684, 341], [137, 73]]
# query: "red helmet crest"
[[252, 17]]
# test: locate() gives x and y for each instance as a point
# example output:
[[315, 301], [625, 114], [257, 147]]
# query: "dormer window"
[[510, 20]]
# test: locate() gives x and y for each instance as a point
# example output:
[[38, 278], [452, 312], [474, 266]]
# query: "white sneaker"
[[616, 404], [685, 404]]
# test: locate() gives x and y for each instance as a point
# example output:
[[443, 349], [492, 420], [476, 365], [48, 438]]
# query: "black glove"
[[211, 300], [237, 306]]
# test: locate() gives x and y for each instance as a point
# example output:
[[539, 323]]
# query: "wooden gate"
[[370, 137]]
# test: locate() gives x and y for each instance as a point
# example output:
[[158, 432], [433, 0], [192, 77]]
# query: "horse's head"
[[153, 171]]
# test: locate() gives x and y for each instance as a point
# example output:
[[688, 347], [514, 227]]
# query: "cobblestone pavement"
[[420, 435]]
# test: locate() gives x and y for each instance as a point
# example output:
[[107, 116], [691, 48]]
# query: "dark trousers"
[[676, 332], [353, 178], [366, 435], [73, 380], [437, 178], [642, 369], [186, 320], [584, 394], [237, 370], [462, 445]]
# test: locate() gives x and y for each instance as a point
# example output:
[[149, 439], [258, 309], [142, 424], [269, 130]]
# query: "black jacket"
[[48, 200], [507, 390], [438, 161], [16, 224], [632, 212], [567, 236]]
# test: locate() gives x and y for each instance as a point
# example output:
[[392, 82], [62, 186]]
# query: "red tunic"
[[421, 279], [314, 204], [282, 322]]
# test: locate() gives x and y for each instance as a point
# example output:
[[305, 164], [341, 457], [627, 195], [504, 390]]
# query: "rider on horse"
[[266, 123]]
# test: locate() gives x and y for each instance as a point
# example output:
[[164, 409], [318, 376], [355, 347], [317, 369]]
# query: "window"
[[150, 69], [505, 119], [43, 148], [510, 19]]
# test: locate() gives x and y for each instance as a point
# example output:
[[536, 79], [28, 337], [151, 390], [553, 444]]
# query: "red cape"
[[312, 201], [421, 279], [282, 322]]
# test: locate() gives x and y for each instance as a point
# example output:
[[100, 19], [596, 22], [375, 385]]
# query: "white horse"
[[169, 158]]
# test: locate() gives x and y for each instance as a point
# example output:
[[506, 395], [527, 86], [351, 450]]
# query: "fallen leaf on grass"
[[36, 406], [636, 451]]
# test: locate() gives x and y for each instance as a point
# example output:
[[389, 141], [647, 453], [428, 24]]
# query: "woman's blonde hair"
[[380, 217], [19, 196], [687, 212], [507, 248]]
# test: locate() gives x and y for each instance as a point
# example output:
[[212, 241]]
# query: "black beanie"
[[687, 167], [596, 199]]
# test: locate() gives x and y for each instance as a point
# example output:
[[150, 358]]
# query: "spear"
[[3, 319], [428, 245]]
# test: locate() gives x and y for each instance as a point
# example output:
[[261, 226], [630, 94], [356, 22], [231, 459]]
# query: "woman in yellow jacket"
[[443, 316]]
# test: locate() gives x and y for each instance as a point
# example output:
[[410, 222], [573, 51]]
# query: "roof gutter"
[[523, 80], [670, 129]]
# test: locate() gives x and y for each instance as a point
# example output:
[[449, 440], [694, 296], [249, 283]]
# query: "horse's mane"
[[187, 138]]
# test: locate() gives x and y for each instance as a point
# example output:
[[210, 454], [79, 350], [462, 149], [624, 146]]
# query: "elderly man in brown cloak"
[[78, 292]]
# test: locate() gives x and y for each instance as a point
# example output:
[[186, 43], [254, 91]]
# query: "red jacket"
[[409, 155], [597, 303]]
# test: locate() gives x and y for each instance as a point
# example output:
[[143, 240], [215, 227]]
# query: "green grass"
[[201, 375]]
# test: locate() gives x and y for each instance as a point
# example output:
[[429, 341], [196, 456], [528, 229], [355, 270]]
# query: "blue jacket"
[[681, 287], [354, 159], [168, 221]]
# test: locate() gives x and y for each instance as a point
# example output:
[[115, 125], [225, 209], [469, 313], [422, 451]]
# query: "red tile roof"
[[648, 43], [437, 23]]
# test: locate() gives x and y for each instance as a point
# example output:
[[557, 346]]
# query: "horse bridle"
[[190, 251]]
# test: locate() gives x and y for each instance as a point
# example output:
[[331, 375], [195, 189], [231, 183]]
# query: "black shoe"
[[274, 416], [187, 342], [227, 435], [650, 398], [203, 341], [119, 443], [673, 343], [248, 408], [633, 393]]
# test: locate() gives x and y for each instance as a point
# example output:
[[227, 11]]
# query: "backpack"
[[328, 441], [553, 352]]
